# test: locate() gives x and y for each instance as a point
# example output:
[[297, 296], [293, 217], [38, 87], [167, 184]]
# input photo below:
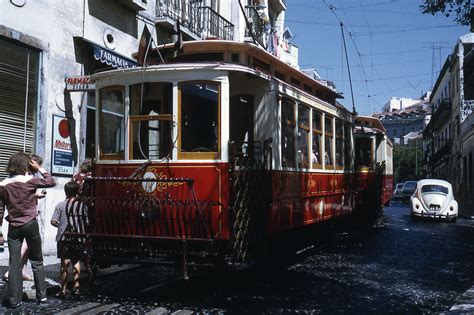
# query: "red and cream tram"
[[213, 153], [374, 167]]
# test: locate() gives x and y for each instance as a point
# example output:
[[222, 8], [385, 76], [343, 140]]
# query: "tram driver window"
[[199, 120], [112, 124], [151, 121], [364, 155], [288, 125]]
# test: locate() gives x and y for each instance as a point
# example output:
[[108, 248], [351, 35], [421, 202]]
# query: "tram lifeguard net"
[[121, 217]]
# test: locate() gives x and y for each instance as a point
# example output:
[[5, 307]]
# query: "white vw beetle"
[[433, 198]]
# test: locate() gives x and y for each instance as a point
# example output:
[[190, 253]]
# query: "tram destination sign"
[[79, 83]]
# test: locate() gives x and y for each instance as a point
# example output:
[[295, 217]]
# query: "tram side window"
[[317, 140], [112, 124], [339, 144], [329, 134], [288, 125], [347, 146], [303, 137], [363, 156], [199, 120], [150, 121]]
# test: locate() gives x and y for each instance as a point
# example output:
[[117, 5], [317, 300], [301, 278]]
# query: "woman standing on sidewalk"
[[18, 193]]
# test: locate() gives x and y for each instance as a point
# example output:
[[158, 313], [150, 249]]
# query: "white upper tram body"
[[193, 109]]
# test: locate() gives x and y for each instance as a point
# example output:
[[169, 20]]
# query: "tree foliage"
[[407, 162], [459, 8]]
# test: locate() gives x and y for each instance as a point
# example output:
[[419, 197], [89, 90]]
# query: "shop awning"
[[105, 55]]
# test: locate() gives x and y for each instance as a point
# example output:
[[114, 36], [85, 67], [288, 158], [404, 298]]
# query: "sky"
[[393, 49]]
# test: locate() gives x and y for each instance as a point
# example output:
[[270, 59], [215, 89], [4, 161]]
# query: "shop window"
[[288, 125], [329, 135], [317, 140], [150, 121], [199, 127], [112, 123], [303, 137]]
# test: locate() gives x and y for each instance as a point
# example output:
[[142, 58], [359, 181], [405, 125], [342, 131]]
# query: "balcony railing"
[[215, 26], [466, 109], [202, 21], [256, 25], [441, 114], [443, 153]]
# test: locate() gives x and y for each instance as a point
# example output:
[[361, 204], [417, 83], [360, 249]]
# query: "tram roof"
[[214, 50], [370, 122]]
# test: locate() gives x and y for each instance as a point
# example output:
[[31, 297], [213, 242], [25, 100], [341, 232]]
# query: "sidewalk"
[[51, 268], [464, 303], [466, 210]]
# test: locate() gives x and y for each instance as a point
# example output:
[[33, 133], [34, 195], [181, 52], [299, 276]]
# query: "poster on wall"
[[61, 155]]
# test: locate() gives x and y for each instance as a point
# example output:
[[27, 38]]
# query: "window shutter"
[[17, 63]]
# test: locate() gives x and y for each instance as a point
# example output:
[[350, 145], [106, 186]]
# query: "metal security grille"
[[250, 193], [141, 220], [18, 100]]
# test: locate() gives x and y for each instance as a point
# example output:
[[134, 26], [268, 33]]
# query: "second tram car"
[[374, 167], [213, 153]]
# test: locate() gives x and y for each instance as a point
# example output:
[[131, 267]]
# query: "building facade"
[[401, 122], [449, 135], [396, 103], [49, 47]]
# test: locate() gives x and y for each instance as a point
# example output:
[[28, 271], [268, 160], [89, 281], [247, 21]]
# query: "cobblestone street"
[[388, 268]]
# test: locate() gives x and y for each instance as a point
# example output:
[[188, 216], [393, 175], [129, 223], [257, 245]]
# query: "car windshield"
[[434, 189], [400, 186], [410, 185]]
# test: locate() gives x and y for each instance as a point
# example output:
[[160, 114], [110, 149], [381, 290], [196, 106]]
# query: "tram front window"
[[199, 120], [112, 124], [150, 121]]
